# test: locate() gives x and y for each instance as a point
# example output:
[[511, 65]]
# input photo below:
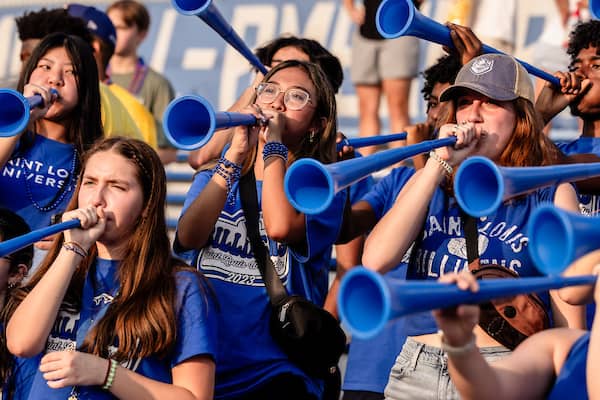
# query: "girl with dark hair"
[[274, 52], [300, 112], [40, 165], [115, 315], [490, 112]]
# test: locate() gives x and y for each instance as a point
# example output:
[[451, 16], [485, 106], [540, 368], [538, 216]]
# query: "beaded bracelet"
[[110, 374], [75, 248], [229, 175], [457, 350], [447, 167], [275, 149]]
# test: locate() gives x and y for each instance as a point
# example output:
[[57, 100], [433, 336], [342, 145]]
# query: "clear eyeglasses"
[[293, 98]]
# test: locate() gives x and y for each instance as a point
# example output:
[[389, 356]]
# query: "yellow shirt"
[[142, 117], [116, 121]]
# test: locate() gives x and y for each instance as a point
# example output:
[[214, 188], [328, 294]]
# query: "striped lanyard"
[[139, 76]]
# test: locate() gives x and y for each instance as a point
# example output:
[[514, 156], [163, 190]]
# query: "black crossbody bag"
[[310, 336]]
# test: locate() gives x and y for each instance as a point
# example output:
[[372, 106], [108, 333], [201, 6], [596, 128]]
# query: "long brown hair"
[[142, 316], [322, 147]]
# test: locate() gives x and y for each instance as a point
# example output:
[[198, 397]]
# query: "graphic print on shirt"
[[228, 256], [37, 172], [443, 248], [63, 334]]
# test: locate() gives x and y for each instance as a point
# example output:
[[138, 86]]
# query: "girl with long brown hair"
[[491, 114], [110, 307]]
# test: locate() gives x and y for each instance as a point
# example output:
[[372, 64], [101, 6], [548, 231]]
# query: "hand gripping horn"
[[396, 18], [14, 110], [310, 186], [367, 300]]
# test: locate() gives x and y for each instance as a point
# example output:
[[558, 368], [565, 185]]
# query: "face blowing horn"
[[310, 186], [14, 110], [396, 18], [207, 12], [17, 243], [190, 121], [367, 300], [480, 186], [559, 237]]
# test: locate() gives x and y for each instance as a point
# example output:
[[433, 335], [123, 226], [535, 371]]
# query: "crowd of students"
[[112, 309]]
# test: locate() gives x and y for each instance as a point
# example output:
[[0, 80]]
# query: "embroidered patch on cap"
[[482, 66]]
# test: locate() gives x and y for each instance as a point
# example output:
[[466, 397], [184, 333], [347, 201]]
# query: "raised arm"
[[565, 314], [8, 144], [196, 224], [527, 373], [37, 312], [396, 231]]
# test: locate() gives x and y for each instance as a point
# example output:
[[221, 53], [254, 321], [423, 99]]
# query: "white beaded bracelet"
[[447, 167], [457, 350]]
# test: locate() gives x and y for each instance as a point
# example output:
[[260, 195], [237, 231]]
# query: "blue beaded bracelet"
[[229, 175], [275, 149]]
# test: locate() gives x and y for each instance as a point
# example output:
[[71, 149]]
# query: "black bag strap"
[[249, 197], [471, 237]]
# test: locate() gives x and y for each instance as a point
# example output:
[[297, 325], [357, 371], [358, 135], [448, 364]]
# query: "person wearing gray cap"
[[489, 109]]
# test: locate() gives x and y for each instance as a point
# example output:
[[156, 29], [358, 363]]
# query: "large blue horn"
[[310, 185], [190, 121], [357, 143], [14, 110], [368, 300], [480, 186], [207, 12], [17, 243], [558, 237], [594, 6], [396, 18]]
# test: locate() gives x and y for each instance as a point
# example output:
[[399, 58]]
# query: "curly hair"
[[444, 70], [583, 36], [37, 24], [317, 54]]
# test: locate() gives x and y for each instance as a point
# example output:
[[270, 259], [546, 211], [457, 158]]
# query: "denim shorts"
[[421, 372]]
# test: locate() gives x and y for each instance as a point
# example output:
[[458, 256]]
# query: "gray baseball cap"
[[497, 76]]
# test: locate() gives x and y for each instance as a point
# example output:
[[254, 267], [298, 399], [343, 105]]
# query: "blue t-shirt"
[[39, 181], [589, 204], [370, 361], [248, 356], [196, 330], [23, 372], [571, 381], [502, 241]]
